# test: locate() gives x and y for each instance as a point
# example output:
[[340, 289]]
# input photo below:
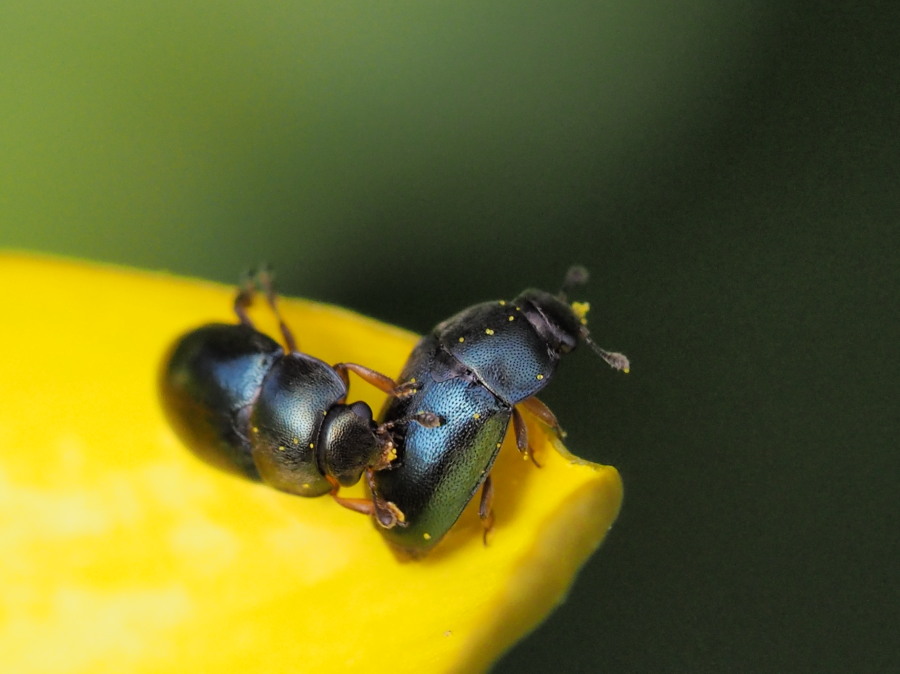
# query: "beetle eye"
[[361, 409], [567, 343]]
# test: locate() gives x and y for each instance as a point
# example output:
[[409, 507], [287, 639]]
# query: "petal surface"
[[122, 552]]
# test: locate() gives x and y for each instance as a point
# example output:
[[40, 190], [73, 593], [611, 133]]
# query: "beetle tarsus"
[[485, 508]]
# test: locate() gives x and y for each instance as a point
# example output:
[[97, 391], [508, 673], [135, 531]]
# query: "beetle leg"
[[359, 505], [265, 277], [536, 408], [380, 381], [428, 419], [521, 431], [485, 509], [422, 417], [342, 373], [387, 514], [262, 279]]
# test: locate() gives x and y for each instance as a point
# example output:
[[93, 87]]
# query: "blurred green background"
[[728, 171]]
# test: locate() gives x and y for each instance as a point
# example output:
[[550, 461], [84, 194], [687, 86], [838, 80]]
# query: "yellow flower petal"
[[122, 552]]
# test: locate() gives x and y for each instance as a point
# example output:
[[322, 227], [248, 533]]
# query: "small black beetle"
[[243, 403], [475, 371]]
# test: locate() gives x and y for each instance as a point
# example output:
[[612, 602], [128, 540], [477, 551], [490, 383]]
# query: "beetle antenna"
[[262, 279], [617, 361], [576, 276], [426, 419], [265, 278], [244, 298]]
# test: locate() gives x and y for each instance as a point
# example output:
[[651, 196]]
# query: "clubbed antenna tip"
[[617, 361], [576, 276]]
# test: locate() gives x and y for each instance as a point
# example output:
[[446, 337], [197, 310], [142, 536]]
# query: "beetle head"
[[350, 442], [554, 320], [563, 324]]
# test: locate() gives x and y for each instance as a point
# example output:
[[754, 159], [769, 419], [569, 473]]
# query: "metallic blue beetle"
[[243, 403], [475, 372]]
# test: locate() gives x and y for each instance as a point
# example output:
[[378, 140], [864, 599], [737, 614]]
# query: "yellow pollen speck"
[[502, 303], [312, 446], [476, 416], [462, 339], [324, 413], [488, 331], [540, 376], [426, 536], [306, 485], [296, 441], [512, 318], [626, 370], [581, 309], [256, 429], [281, 448], [412, 381], [498, 445], [525, 456]]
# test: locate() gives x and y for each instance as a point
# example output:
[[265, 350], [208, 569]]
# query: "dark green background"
[[728, 171]]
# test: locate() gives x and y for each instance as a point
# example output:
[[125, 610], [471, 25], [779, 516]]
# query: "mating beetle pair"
[[243, 403]]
